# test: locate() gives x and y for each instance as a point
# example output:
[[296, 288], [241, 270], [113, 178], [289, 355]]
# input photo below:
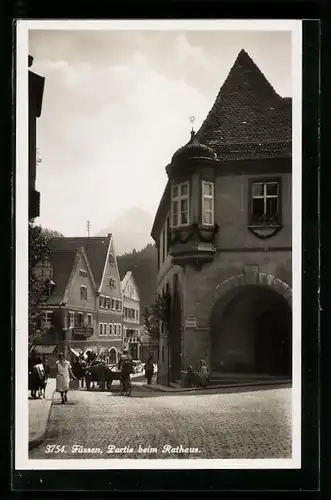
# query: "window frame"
[[265, 181], [112, 282], [83, 287], [71, 319], [103, 329], [47, 322], [178, 200], [207, 197]]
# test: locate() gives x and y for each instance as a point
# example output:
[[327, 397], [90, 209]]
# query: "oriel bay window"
[[265, 203], [180, 205], [208, 217]]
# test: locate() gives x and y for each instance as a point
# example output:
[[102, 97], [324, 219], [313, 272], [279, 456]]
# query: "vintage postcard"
[[158, 268]]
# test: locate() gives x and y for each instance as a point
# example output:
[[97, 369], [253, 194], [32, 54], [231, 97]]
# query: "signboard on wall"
[[191, 322]]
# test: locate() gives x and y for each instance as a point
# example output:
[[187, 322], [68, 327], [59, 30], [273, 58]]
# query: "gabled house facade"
[[223, 231], [131, 314], [84, 309]]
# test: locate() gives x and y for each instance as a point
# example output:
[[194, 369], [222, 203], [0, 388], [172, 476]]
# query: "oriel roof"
[[248, 119]]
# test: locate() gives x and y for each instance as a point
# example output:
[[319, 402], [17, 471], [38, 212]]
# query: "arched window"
[[112, 356]]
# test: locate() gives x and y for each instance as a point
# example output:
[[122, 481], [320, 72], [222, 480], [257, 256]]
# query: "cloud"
[[106, 143], [116, 107]]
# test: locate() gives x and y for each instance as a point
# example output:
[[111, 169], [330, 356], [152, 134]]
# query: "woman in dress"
[[63, 377]]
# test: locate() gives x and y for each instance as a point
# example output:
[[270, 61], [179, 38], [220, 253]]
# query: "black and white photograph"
[[158, 245]]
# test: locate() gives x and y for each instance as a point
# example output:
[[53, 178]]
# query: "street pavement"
[[94, 424]]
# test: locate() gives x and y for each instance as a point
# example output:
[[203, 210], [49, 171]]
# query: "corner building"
[[223, 232]]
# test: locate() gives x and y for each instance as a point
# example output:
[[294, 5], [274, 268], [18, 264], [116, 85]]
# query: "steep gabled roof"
[[95, 247], [129, 276], [63, 262], [126, 279], [248, 119]]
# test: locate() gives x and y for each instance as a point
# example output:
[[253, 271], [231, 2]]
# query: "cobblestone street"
[[245, 425]]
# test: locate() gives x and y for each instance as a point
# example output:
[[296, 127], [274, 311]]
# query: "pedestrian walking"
[[203, 373], [63, 376], [149, 370]]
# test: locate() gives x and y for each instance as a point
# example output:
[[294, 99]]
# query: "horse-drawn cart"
[[102, 374]]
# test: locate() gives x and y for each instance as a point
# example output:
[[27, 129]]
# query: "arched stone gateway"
[[112, 355], [251, 326]]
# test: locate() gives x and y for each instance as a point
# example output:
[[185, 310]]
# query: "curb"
[[33, 443], [211, 388], [38, 440]]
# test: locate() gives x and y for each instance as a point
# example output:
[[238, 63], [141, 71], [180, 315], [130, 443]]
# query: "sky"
[[116, 107]]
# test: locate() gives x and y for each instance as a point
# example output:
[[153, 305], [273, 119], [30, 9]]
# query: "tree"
[[157, 313], [38, 290], [50, 233]]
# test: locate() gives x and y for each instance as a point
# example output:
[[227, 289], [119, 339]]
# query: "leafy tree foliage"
[[50, 233], [38, 290], [158, 312]]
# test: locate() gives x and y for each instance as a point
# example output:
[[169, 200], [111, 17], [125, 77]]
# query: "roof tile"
[[248, 119], [95, 247]]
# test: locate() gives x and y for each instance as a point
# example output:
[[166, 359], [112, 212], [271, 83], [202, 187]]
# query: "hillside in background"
[[143, 265], [130, 230]]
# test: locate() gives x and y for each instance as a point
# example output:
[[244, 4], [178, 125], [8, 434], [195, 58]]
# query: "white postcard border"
[[22, 461]]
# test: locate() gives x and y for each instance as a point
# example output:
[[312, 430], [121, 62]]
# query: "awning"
[[76, 351], [44, 349]]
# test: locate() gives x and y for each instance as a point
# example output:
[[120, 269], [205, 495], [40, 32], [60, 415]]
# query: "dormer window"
[[265, 209], [180, 205], [208, 216]]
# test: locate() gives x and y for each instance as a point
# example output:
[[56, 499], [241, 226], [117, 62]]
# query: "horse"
[[99, 371], [37, 381], [79, 369]]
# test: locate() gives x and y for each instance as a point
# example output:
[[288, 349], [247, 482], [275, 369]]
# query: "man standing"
[[125, 366], [149, 370]]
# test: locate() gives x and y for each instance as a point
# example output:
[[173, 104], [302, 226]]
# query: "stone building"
[[84, 309], [36, 90], [131, 314], [223, 232]]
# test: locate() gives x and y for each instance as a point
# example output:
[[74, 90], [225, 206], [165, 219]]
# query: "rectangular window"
[[80, 319], [165, 242], [208, 203], [110, 328], [112, 282], [89, 319], [180, 205], [119, 330], [83, 292], [71, 319], [48, 318], [102, 329], [83, 273], [167, 234], [265, 203]]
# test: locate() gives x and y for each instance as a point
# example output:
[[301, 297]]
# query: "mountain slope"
[[143, 265]]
